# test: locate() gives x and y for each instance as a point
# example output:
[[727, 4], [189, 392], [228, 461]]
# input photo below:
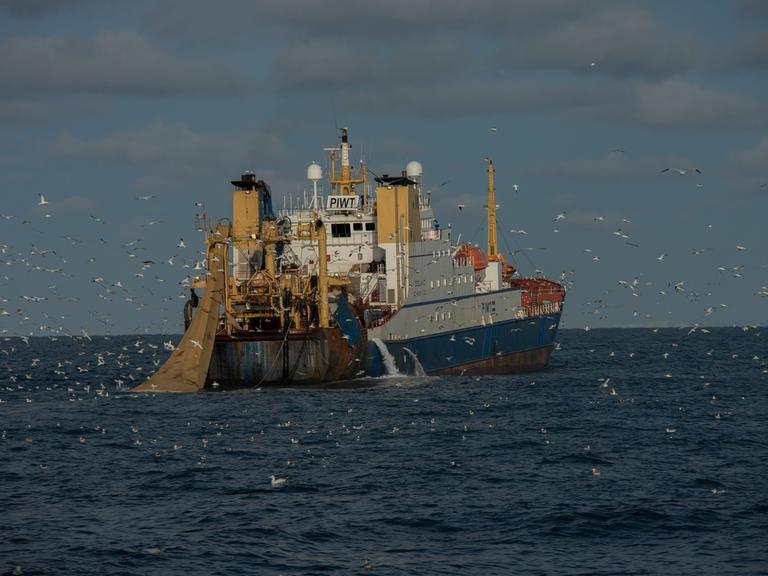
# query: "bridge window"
[[370, 225], [340, 230], [357, 226]]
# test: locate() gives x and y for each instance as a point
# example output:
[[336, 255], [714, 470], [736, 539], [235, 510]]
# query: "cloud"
[[75, 204], [751, 53], [157, 143], [680, 104], [28, 8], [395, 19], [619, 39], [112, 62], [755, 7], [329, 63], [754, 159], [166, 150], [612, 166], [22, 111], [474, 98], [666, 104]]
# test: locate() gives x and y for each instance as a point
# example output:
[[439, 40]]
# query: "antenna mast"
[[492, 250]]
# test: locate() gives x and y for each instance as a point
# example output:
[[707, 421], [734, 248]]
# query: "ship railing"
[[543, 309], [365, 292]]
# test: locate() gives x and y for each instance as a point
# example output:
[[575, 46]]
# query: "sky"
[[125, 114]]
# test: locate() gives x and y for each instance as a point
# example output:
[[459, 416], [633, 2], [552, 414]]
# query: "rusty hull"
[[315, 356], [525, 361]]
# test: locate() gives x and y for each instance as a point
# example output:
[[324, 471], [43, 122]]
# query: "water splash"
[[388, 359], [418, 369]]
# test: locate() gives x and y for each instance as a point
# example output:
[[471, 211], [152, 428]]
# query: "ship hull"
[[303, 358], [506, 347]]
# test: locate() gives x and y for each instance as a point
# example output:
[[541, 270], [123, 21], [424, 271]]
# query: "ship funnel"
[[247, 181]]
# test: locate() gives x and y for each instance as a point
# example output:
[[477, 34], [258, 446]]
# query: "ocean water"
[[636, 452]]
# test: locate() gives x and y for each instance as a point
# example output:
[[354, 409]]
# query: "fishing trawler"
[[359, 282]]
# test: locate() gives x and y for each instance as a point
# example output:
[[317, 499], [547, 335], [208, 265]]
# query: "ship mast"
[[493, 253], [345, 182]]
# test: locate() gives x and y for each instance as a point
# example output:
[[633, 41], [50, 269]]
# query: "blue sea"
[[636, 452]]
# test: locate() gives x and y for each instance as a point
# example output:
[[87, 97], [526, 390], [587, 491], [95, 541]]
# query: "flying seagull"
[[681, 171], [42, 201]]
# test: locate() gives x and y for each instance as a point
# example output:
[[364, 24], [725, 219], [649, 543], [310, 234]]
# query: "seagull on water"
[[277, 482]]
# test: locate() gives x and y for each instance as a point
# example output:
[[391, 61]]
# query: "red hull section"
[[526, 361]]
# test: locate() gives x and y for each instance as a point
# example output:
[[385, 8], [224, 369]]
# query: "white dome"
[[314, 172], [414, 169]]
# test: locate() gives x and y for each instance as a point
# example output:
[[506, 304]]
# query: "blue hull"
[[504, 347]]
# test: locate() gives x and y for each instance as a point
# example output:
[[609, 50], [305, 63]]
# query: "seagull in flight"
[[460, 207], [681, 171], [42, 201], [195, 343]]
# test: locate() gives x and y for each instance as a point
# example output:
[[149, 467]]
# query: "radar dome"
[[314, 172], [414, 169]]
